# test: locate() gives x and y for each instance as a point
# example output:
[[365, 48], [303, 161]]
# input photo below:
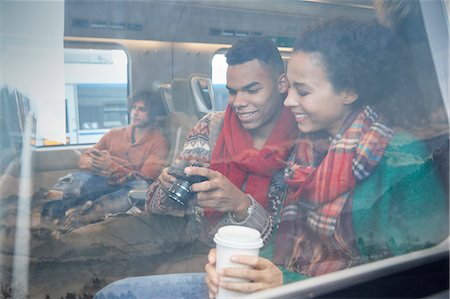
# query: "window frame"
[[83, 45]]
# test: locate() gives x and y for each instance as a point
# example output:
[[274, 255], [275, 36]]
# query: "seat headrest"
[[193, 96]]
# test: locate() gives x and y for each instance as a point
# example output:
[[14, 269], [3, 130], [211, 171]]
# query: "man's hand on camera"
[[165, 179], [218, 192]]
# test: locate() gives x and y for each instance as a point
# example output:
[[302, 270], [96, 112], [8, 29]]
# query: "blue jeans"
[[171, 286], [80, 186]]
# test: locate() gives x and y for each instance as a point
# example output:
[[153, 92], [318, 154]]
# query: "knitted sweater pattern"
[[198, 148]]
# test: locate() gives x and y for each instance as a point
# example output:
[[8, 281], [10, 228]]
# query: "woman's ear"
[[350, 97], [283, 84]]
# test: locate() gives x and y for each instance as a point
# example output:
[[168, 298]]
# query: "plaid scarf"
[[247, 168], [315, 234]]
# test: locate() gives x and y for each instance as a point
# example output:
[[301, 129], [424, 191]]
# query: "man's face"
[[139, 115], [254, 94]]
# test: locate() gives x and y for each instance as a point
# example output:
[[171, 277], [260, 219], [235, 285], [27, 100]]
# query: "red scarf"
[[313, 237], [250, 169]]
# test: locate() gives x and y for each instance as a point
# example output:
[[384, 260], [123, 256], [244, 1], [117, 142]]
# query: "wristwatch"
[[248, 212]]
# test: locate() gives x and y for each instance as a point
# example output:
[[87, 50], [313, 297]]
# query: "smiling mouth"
[[300, 116], [246, 115]]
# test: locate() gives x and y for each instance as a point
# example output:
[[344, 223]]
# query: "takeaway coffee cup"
[[235, 240]]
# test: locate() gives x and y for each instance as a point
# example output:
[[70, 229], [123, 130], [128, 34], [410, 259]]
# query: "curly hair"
[[152, 102], [256, 47], [364, 58]]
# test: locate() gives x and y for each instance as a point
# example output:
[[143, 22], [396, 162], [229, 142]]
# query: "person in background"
[[124, 158], [359, 190]]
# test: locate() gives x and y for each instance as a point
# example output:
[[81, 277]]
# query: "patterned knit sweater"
[[198, 148]]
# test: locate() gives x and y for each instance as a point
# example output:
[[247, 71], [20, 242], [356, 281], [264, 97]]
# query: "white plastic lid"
[[241, 237]]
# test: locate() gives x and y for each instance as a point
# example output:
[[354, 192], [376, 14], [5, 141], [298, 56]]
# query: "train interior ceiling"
[[169, 47], [202, 27]]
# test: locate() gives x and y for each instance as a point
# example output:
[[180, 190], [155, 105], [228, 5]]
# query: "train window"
[[392, 207], [218, 75], [96, 92]]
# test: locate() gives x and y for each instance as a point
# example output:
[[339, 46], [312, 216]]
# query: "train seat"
[[193, 95], [186, 101], [175, 128]]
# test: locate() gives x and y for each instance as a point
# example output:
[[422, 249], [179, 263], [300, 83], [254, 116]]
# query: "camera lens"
[[179, 191]]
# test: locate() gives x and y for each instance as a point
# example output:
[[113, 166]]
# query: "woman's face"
[[311, 98]]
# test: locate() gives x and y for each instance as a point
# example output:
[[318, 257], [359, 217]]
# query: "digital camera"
[[180, 191]]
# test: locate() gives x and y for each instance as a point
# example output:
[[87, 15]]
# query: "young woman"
[[361, 188]]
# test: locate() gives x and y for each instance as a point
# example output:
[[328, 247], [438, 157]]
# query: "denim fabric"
[[81, 186], [171, 286]]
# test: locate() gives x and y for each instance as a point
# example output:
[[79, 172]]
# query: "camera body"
[[180, 191]]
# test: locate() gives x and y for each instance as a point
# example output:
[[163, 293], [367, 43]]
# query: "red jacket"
[[143, 159]]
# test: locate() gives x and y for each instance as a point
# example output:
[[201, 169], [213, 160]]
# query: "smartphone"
[[96, 153]]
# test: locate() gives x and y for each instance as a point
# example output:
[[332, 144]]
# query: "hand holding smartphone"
[[96, 153]]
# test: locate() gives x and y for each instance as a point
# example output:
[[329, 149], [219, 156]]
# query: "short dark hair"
[[256, 47], [152, 102]]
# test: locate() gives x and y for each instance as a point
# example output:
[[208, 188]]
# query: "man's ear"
[[283, 84], [350, 97]]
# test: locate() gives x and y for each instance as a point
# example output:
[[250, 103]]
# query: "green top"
[[401, 207]]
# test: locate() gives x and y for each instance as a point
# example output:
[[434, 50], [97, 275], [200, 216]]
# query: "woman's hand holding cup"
[[261, 274], [212, 278], [234, 268]]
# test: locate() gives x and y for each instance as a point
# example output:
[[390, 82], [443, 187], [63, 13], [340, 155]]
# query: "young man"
[[124, 158], [241, 151]]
